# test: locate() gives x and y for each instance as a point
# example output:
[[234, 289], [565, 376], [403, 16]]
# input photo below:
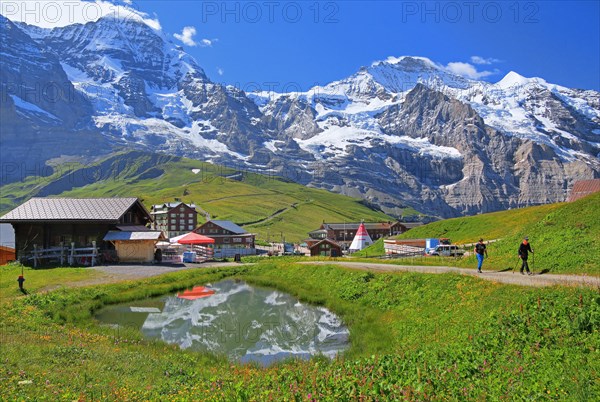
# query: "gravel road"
[[513, 278]]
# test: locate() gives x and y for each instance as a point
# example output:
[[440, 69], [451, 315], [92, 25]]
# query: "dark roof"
[[584, 188], [355, 225], [230, 226], [333, 242], [133, 228], [171, 205], [322, 231], [410, 225], [71, 209], [144, 235]]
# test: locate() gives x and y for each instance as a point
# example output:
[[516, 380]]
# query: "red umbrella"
[[195, 238]]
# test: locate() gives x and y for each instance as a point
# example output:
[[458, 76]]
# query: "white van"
[[447, 250]]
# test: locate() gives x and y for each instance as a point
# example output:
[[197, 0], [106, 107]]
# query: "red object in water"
[[196, 293]]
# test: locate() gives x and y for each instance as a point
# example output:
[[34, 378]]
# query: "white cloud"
[[468, 70], [57, 13], [483, 60], [207, 42], [220, 71], [187, 36]]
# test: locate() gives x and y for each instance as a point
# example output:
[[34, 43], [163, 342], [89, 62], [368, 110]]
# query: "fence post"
[[62, 254], [94, 252], [72, 255], [35, 255]]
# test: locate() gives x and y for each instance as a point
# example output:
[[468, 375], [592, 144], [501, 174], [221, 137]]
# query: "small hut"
[[134, 246]]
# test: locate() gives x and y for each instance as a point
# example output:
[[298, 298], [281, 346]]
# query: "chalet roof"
[[355, 225], [133, 228], [583, 188], [171, 205], [230, 226], [332, 242], [114, 235], [318, 231], [70, 209], [410, 225]]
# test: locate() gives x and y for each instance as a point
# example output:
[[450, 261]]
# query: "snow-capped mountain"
[[404, 131]]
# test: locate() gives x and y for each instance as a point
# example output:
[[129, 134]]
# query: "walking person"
[[480, 251], [524, 250]]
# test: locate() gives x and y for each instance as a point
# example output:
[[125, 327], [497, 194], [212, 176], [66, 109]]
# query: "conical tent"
[[361, 240]]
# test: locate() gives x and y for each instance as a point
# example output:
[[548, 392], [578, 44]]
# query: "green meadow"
[[564, 237], [273, 207], [413, 337]]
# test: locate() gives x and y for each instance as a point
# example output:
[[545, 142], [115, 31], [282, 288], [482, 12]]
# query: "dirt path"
[[121, 273], [513, 278], [273, 215]]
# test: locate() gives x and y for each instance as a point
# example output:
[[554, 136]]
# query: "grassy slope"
[[565, 236], [477, 341], [490, 226], [253, 198]]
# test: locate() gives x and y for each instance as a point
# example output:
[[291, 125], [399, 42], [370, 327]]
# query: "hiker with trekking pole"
[[524, 250]]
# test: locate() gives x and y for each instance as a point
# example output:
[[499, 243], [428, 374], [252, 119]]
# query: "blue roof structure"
[[230, 226]]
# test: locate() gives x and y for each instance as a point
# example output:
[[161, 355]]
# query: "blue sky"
[[291, 45]]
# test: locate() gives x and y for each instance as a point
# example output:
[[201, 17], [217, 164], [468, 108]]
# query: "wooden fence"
[[65, 254]]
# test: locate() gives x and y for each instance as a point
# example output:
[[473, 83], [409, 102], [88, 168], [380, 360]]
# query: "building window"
[[237, 239], [191, 215], [173, 227], [191, 227], [128, 218], [226, 240]]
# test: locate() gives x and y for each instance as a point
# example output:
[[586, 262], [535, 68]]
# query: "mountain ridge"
[[402, 131], [266, 205]]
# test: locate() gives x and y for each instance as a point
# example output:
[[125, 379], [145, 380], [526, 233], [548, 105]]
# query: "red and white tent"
[[194, 238], [361, 240]]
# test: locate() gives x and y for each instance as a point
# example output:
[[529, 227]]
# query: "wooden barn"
[[54, 222]]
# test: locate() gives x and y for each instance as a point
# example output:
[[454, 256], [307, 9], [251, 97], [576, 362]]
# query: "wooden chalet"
[[344, 233], [78, 222], [230, 239], [326, 248]]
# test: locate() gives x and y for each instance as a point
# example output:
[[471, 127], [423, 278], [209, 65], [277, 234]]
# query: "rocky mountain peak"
[[405, 131]]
